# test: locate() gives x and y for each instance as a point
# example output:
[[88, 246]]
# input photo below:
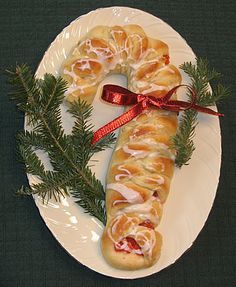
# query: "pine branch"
[[32, 139], [32, 162], [105, 142], [93, 206], [82, 131], [53, 185], [52, 90], [200, 75], [68, 154], [183, 140], [25, 85]]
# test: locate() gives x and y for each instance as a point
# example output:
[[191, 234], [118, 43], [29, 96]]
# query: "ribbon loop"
[[121, 96]]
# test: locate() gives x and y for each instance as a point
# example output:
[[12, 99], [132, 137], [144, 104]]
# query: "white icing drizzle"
[[135, 153], [149, 167], [166, 67], [143, 62], [124, 246], [101, 52], [130, 40], [115, 202], [139, 208], [127, 174], [85, 66], [162, 166], [160, 146], [129, 194], [149, 141], [147, 243], [113, 230], [145, 237], [74, 86], [159, 180], [121, 49], [143, 210]]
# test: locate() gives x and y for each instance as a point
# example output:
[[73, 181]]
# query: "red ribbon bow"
[[121, 96]]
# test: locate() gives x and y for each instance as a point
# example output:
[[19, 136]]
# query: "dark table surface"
[[29, 254]]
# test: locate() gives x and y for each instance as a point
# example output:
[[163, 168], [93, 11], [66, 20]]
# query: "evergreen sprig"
[[69, 155], [200, 75]]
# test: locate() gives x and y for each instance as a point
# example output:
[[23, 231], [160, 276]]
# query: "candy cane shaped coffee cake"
[[142, 164]]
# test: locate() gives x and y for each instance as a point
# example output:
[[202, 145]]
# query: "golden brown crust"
[[142, 165], [128, 261], [119, 49], [137, 42]]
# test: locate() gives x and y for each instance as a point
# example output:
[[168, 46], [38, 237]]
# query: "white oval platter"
[[193, 187]]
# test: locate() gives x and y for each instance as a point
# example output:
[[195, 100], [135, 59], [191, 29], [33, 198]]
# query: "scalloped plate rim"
[[30, 178]]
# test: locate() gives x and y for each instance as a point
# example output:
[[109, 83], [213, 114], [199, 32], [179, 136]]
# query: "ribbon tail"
[[118, 122], [179, 105], [207, 111]]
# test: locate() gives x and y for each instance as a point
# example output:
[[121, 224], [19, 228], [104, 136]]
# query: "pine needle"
[[200, 75], [69, 155]]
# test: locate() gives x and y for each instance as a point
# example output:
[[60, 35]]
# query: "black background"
[[29, 254]]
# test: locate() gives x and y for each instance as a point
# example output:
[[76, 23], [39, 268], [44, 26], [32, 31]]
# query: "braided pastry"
[[142, 163]]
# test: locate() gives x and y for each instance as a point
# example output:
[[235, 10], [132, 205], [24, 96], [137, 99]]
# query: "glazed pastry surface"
[[142, 164]]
